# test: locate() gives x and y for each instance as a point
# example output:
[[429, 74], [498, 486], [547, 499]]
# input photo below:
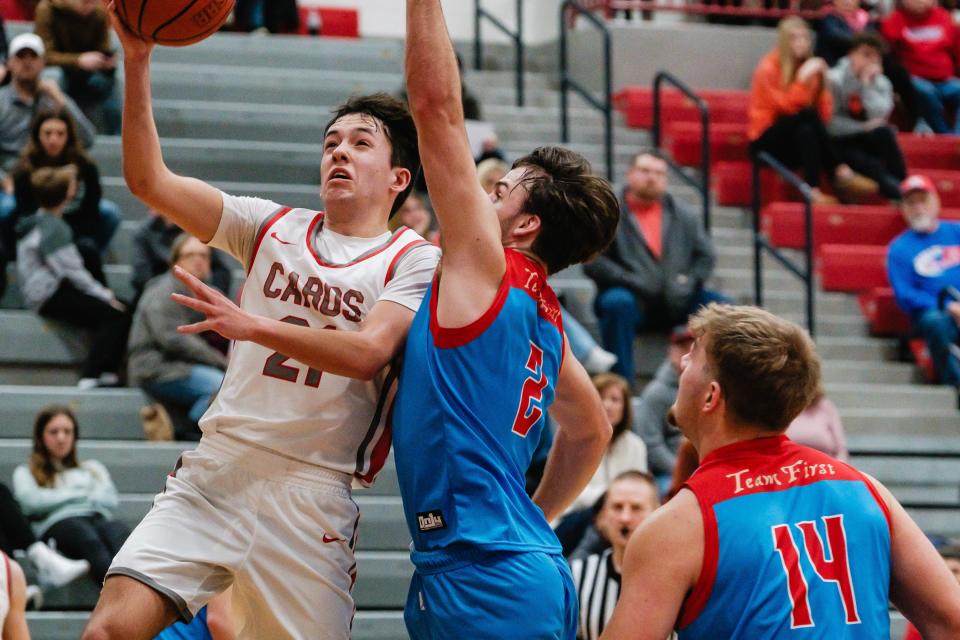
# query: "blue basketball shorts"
[[494, 595]]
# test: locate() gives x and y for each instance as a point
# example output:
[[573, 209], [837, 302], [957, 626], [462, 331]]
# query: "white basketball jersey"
[[272, 402]]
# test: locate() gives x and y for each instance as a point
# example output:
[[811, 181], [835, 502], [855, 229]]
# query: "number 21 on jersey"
[[835, 570]]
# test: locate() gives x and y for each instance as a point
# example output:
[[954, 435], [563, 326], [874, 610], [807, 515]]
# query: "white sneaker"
[[34, 597], [85, 384], [599, 360], [53, 570]]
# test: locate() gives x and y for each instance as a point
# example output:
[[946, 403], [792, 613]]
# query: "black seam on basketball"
[[143, 8], [173, 19], [197, 36]]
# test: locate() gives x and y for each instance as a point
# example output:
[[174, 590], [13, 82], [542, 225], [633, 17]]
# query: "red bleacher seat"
[[948, 185], [336, 22], [17, 10], [836, 224], [930, 152], [636, 104], [732, 183], [728, 141], [880, 309], [852, 268]]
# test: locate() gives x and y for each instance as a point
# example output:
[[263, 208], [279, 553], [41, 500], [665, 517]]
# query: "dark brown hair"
[[33, 156], [631, 474], [578, 211], [41, 464], [767, 367], [399, 128], [868, 39], [51, 185]]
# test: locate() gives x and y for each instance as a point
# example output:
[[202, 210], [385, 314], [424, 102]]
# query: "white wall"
[[386, 17]]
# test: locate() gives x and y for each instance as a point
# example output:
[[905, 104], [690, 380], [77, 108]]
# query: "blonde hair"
[[767, 367], [490, 167], [788, 65]]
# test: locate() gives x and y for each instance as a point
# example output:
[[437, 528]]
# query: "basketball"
[[174, 23]]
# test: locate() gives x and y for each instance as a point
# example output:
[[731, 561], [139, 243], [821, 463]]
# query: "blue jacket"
[[921, 265]]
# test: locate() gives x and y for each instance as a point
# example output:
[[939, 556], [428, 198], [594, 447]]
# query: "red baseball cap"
[[917, 182]]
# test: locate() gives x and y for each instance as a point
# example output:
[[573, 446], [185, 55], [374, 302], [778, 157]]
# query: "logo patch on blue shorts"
[[431, 520]]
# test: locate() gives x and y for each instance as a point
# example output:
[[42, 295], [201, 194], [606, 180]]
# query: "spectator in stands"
[[862, 102], [177, 369], [415, 214], [54, 142], [489, 171], [923, 262], [19, 101], [76, 35], [55, 283], [819, 426], [275, 16], [152, 243], [951, 556], [626, 452], [69, 501], [653, 275], [632, 497], [662, 438], [16, 534], [926, 40], [789, 108], [835, 32]]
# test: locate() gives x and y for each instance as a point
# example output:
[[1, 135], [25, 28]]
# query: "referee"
[[631, 497]]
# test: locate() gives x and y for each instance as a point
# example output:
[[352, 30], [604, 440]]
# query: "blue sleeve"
[[912, 299]]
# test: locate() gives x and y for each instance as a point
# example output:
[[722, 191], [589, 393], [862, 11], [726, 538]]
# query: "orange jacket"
[[769, 99]]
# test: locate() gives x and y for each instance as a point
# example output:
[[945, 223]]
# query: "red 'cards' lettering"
[[529, 411]]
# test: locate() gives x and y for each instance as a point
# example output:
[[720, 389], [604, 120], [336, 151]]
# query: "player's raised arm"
[[191, 204], [473, 259]]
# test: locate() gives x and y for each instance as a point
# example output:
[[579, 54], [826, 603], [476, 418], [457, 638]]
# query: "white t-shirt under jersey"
[[301, 273]]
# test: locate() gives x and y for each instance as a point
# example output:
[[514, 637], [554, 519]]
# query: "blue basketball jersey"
[[470, 408], [796, 546]]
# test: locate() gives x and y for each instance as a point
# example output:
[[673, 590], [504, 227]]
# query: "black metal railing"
[[703, 184], [605, 103], [516, 37], [761, 243]]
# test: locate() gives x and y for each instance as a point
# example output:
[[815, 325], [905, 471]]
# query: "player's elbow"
[[370, 360], [434, 105]]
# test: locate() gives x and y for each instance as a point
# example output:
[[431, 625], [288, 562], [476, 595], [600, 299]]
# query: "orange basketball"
[[175, 23]]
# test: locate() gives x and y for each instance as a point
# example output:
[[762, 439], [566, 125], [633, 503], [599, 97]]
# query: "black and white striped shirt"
[[598, 588]]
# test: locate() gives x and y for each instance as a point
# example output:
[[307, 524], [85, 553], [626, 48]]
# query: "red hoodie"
[[928, 45]]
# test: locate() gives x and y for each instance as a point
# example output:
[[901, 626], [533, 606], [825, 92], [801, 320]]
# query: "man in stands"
[[927, 42], [923, 264], [862, 102], [653, 275], [76, 34], [631, 497], [769, 537]]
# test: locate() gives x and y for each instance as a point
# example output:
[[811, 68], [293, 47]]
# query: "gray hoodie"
[[46, 255], [876, 100]]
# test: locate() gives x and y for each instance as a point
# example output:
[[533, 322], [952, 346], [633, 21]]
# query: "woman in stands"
[[789, 106], [54, 142], [69, 501], [626, 452]]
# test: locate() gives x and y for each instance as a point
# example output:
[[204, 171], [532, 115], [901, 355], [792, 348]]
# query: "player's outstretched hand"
[[223, 316], [133, 45]]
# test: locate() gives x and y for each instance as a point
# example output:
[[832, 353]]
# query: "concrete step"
[[293, 195], [27, 339], [382, 525], [865, 349], [68, 625], [840, 371], [103, 414], [386, 579], [54, 375], [892, 396], [919, 441], [904, 423], [137, 466], [908, 469]]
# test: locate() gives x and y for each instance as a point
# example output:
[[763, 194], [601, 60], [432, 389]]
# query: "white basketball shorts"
[[280, 531]]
